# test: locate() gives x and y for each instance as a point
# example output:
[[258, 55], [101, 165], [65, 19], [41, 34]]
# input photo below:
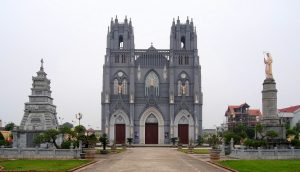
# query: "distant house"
[[206, 132], [241, 114], [290, 115]]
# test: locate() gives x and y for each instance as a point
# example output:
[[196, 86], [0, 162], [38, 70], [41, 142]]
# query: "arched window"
[[123, 58], [117, 59], [182, 42], [187, 87], [116, 83], [179, 87], [180, 60], [124, 85], [121, 43], [152, 81], [186, 60]]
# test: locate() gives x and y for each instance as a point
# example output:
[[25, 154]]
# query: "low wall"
[[38, 153], [265, 153]]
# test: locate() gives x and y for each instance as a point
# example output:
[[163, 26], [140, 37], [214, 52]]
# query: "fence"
[[265, 153], [39, 153]]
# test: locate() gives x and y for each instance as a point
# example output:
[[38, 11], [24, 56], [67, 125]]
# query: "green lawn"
[[195, 151], [263, 165], [42, 165]]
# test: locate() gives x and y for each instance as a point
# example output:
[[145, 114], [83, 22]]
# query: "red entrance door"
[[120, 133], [151, 133], [183, 133]]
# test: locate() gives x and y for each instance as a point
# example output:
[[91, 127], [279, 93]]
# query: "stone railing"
[[265, 153], [39, 153]]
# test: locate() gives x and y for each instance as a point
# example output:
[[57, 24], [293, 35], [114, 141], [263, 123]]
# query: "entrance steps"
[[151, 145]]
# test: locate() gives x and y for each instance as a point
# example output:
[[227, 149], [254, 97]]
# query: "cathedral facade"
[[151, 95]]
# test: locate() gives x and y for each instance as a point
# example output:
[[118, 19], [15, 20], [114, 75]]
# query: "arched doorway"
[[152, 127], [184, 126], [183, 130], [151, 130], [119, 128]]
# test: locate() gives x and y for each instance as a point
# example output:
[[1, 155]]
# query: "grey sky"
[[71, 37]]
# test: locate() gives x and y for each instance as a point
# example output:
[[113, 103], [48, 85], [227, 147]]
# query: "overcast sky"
[[71, 37]]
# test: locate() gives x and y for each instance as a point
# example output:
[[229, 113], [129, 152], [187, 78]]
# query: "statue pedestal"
[[270, 117]]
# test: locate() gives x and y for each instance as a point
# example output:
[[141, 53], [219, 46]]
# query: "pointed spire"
[[178, 21], [187, 20], [173, 23], [116, 19], [130, 22], [125, 19]]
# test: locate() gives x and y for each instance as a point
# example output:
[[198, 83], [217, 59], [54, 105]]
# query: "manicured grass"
[[42, 165], [263, 165], [196, 151]]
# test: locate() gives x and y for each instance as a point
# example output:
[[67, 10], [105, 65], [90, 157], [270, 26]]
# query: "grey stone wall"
[[265, 153], [38, 153]]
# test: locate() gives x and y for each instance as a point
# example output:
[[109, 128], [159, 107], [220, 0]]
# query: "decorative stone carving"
[[131, 98], [106, 98], [165, 73]]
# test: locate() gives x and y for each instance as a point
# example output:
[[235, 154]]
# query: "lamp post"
[[78, 116]]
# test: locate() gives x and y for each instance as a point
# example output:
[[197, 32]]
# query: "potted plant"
[[215, 151], [104, 141], [90, 150], [173, 141], [129, 141]]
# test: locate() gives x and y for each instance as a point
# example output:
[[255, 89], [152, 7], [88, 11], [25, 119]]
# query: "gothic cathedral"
[[151, 95]]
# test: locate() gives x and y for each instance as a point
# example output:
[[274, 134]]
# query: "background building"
[[289, 115], [241, 114], [151, 94]]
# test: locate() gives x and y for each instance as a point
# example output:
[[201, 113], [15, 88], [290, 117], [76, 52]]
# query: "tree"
[[65, 129], [214, 141], [259, 129], [10, 126], [229, 134], [104, 141], [297, 127], [80, 130], [48, 136], [271, 134]]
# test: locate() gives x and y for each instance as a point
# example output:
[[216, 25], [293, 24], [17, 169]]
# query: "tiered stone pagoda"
[[39, 113]]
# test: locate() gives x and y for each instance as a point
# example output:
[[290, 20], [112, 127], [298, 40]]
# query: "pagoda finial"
[[42, 64]]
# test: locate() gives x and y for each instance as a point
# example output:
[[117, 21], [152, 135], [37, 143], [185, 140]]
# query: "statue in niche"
[[106, 98], [268, 68], [120, 87], [196, 98], [183, 89], [171, 98], [131, 98]]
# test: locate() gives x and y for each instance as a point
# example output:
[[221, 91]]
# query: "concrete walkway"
[[152, 160]]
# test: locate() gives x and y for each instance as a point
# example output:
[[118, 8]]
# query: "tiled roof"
[[254, 112], [289, 109]]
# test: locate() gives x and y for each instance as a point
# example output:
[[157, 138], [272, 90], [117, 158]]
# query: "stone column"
[[269, 102]]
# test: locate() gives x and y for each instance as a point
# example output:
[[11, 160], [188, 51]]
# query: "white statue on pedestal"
[[268, 63]]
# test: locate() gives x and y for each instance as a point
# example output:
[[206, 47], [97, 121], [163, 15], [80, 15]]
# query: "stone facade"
[[39, 113], [159, 86]]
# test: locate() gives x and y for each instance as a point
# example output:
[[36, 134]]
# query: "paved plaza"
[[152, 160]]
